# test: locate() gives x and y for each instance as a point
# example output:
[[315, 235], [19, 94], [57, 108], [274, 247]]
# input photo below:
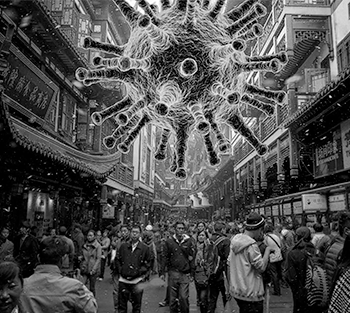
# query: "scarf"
[[200, 254]]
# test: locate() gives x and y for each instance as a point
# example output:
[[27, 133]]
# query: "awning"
[[326, 97], [39, 142]]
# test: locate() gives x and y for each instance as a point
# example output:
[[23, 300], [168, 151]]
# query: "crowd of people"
[[58, 272]]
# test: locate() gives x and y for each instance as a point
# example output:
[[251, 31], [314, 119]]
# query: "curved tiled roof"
[[36, 141], [333, 90]]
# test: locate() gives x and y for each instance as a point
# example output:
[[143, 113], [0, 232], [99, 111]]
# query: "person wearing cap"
[[26, 250], [246, 265], [68, 258], [47, 290], [295, 271]]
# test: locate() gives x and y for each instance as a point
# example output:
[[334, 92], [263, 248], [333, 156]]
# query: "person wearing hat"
[[68, 258], [246, 265], [295, 268], [26, 250], [47, 290]]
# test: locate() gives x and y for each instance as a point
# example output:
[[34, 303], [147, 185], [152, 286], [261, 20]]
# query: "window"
[[57, 5], [97, 28], [98, 11]]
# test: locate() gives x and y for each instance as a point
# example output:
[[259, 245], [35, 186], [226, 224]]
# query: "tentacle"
[[223, 145], [181, 147], [127, 63], [237, 123], [212, 156], [213, 14], [160, 153], [82, 74], [240, 11], [110, 141], [262, 106], [256, 31], [218, 89], [99, 117], [109, 62], [181, 5], [124, 117], [124, 147], [278, 96], [90, 43], [205, 5], [147, 8], [201, 124], [282, 57], [165, 4], [173, 166], [273, 66], [130, 14], [190, 13], [258, 11]]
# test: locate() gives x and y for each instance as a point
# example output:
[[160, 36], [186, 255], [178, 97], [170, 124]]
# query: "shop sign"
[[297, 207], [287, 209], [25, 87], [314, 202], [345, 140], [262, 211], [268, 211], [336, 202], [275, 210], [108, 211]]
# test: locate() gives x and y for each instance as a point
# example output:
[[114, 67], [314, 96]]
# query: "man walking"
[[216, 282], [133, 265], [68, 258], [178, 256], [246, 265]]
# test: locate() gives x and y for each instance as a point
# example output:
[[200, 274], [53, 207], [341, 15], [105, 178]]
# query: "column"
[[293, 156]]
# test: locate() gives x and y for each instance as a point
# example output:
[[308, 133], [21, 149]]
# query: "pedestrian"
[[78, 240], [68, 257], [91, 262], [6, 246], [115, 244], [148, 240], [47, 290], [295, 272], [246, 265], [206, 261], [105, 244], [133, 264], [332, 254], [217, 282], [178, 257], [26, 250], [11, 287], [274, 268]]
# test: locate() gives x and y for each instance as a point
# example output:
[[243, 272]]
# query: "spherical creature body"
[[185, 69]]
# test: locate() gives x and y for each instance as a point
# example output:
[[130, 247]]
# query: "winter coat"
[[332, 256], [91, 258], [133, 264], [223, 248], [274, 242], [179, 256], [206, 259], [6, 251], [246, 265]]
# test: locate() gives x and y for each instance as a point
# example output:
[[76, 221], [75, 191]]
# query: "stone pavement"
[[155, 294]]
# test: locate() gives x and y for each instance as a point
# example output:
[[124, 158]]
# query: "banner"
[[345, 140]]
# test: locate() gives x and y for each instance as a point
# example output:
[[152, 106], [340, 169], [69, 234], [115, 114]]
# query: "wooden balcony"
[[124, 175]]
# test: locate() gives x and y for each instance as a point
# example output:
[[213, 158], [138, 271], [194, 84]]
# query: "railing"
[[307, 2], [268, 125]]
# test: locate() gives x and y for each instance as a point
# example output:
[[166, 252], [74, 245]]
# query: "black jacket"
[[133, 264], [223, 252], [179, 257]]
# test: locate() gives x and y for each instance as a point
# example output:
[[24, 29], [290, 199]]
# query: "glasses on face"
[[180, 228]]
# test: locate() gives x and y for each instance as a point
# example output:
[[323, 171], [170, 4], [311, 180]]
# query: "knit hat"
[[303, 232], [254, 221], [149, 227]]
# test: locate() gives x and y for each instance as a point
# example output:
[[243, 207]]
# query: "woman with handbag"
[[205, 261]]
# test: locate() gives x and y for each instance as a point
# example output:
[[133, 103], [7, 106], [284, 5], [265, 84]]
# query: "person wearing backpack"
[[206, 261], [296, 271], [216, 281]]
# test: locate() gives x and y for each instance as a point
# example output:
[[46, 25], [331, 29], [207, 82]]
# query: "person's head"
[[157, 236], [124, 230], [91, 235], [219, 227], [34, 230], [105, 233], [5, 232], [77, 227], [318, 228], [51, 250], [254, 225], [269, 228], [62, 230], [344, 224], [303, 233], [98, 234], [11, 286], [135, 233], [200, 227], [53, 232], [25, 228], [179, 229], [202, 236]]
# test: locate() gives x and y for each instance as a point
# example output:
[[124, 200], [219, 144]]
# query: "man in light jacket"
[[47, 290], [246, 265]]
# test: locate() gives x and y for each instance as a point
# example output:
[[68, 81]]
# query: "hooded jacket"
[[245, 268]]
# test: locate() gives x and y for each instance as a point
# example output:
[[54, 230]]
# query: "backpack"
[[316, 284], [218, 259]]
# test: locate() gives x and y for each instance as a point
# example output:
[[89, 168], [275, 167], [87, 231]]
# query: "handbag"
[[201, 278]]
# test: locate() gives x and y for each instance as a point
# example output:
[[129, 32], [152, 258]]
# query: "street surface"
[[154, 294]]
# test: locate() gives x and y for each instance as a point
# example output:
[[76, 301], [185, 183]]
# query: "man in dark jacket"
[[133, 266], [26, 249], [178, 256], [216, 282]]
